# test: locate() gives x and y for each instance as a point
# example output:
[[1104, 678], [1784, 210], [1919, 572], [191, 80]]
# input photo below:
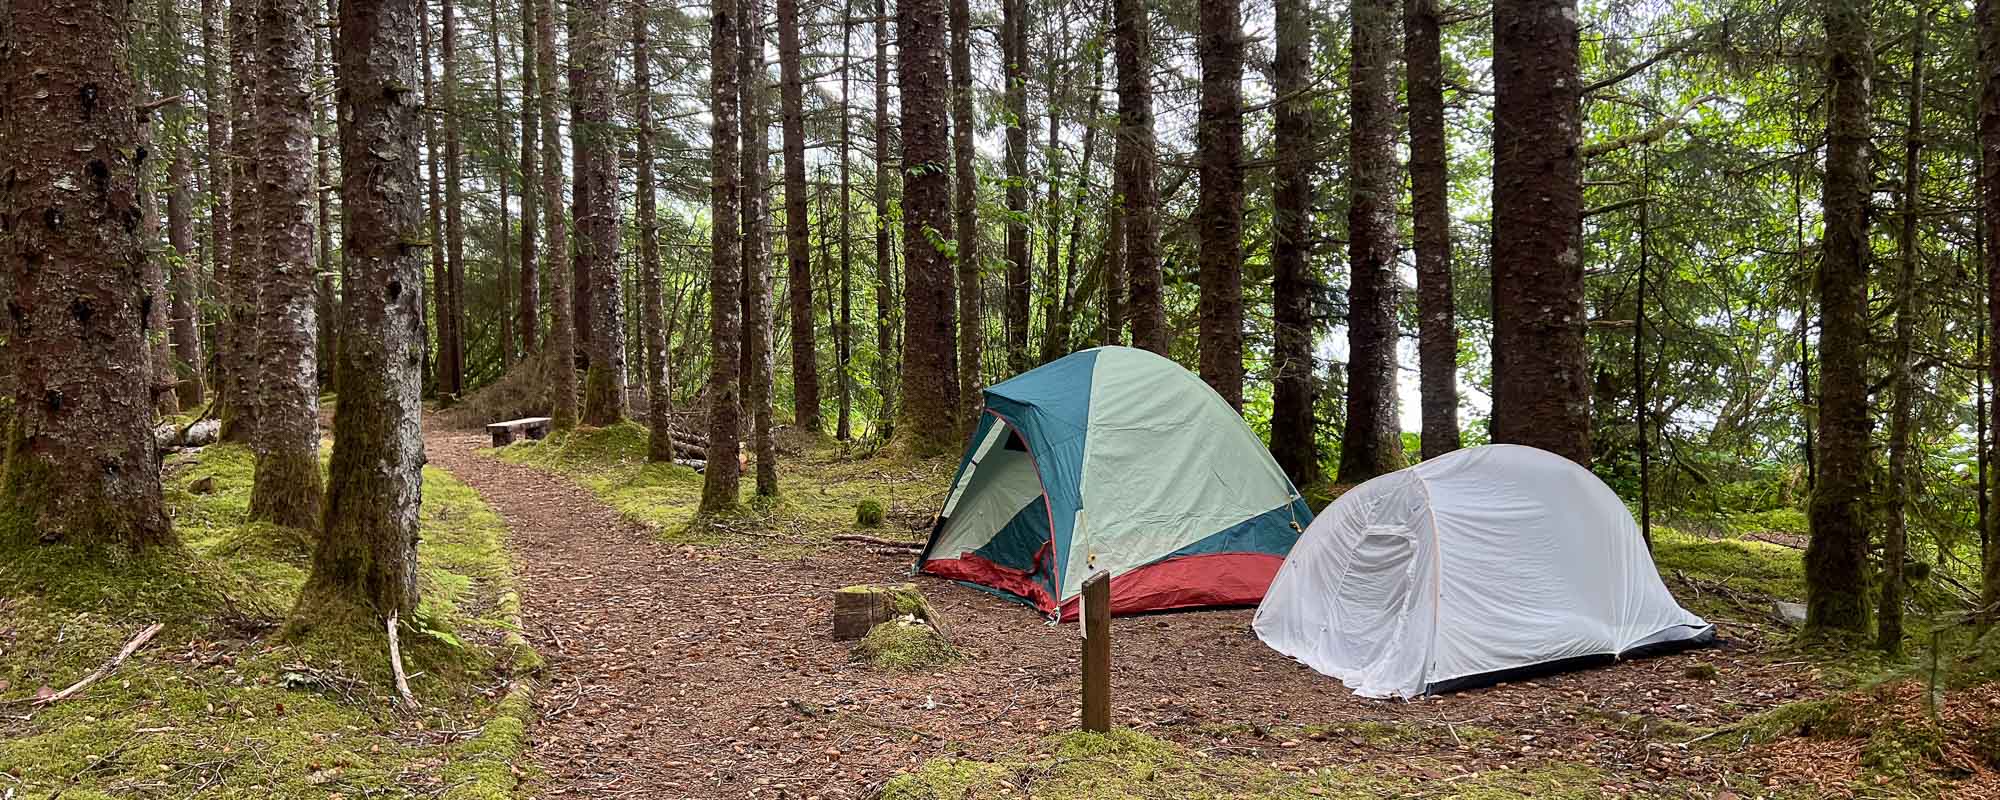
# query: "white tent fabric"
[[1485, 560]]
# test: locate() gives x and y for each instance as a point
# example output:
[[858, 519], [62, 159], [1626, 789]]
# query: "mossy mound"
[[1897, 736], [905, 644], [524, 391], [868, 513], [1125, 763]]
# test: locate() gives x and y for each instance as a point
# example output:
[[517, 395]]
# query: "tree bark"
[[80, 464], [1902, 379], [1836, 563], [1430, 207], [439, 319], [237, 284], [886, 369], [529, 307], [286, 440], [1020, 269], [1219, 148], [1541, 391], [215, 141], [843, 346], [503, 233], [1988, 12], [725, 270], [327, 292], [798, 254], [1372, 443], [659, 404], [927, 419], [758, 356], [1293, 284], [593, 61], [561, 350], [1132, 41], [965, 187], [365, 565], [451, 297], [186, 279]]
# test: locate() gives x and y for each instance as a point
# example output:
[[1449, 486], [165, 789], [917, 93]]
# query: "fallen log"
[[859, 539]]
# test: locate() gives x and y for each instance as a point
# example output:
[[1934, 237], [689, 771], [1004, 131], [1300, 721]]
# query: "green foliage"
[[218, 701]]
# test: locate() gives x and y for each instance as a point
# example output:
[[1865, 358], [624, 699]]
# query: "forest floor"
[[695, 660]]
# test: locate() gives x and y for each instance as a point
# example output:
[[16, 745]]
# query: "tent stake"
[[1097, 653]]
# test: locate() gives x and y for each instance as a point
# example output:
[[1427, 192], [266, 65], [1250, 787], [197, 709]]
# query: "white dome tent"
[[1467, 569]]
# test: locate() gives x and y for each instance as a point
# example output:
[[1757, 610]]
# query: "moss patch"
[[1758, 571], [218, 704], [1125, 763], [904, 645]]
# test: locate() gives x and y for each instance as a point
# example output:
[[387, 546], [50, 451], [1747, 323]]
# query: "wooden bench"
[[504, 433]]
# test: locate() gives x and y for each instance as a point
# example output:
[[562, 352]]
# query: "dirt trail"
[[708, 672]]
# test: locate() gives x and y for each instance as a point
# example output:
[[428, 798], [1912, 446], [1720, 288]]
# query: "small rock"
[[202, 485]]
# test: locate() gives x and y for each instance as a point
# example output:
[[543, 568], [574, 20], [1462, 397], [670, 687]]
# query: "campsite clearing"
[[692, 663]]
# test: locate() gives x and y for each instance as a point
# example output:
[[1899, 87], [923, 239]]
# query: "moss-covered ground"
[[1125, 763], [820, 487], [219, 704]]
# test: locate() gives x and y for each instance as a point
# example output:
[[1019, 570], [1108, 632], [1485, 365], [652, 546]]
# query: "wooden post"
[[1097, 653]]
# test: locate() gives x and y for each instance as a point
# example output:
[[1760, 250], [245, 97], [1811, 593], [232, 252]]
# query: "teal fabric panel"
[[1050, 407], [1270, 532]]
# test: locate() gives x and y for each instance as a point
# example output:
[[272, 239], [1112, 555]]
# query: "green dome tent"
[[1115, 460]]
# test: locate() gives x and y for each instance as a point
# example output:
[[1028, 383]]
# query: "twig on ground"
[[396, 665], [130, 648]]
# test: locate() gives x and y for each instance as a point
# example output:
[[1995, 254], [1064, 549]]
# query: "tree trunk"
[[1372, 443], [238, 283], [1541, 392], [1293, 283], [1055, 331], [579, 261], [1430, 207], [758, 356], [1132, 41], [186, 279], [286, 439], [561, 351], [529, 307], [927, 419], [725, 270], [451, 298], [659, 405], [1988, 12], [159, 353], [1837, 556], [326, 293], [440, 269], [1902, 379], [798, 255], [1020, 270], [886, 368], [1219, 148], [215, 141], [504, 231], [366, 559], [80, 464], [843, 345], [971, 297], [594, 60]]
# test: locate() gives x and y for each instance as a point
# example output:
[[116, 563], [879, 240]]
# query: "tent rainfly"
[[1487, 564], [1114, 460]]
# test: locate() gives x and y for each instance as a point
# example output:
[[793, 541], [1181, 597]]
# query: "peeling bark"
[[287, 490]]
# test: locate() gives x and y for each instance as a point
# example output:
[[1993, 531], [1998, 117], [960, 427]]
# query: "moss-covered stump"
[[905, 644], [868, 514], [858, 609]]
